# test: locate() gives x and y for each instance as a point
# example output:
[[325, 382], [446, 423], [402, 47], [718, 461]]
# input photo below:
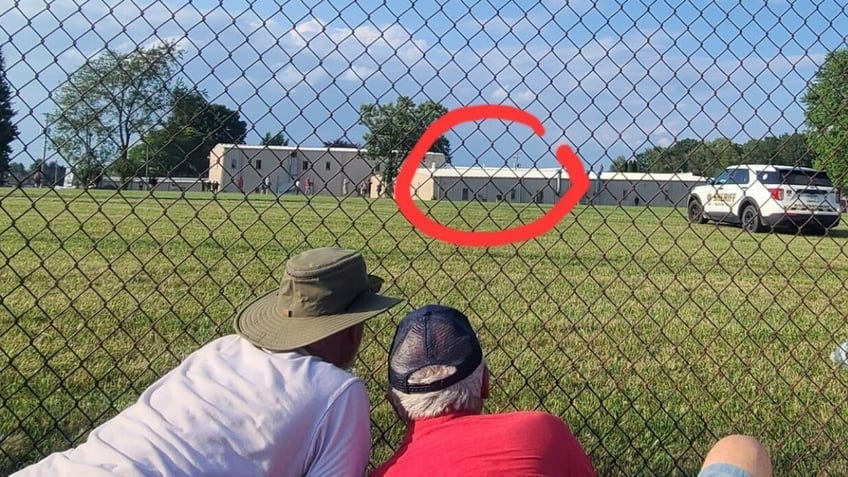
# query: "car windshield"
[[797, 178]]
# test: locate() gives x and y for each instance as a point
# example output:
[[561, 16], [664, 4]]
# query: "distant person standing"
[[38, 178]]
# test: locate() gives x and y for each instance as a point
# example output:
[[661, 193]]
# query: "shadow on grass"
[[836, 232]]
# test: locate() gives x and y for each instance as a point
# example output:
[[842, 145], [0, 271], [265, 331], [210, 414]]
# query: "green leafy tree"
[[795, 150], [710, 158], [787, 149], [394, 129], [827, 116], [107, 102], [652, 159], [17, 170], [182, 146], [619, 164], [8, 129], [761, 151], [81, 140], [342, 142], [278, 139]]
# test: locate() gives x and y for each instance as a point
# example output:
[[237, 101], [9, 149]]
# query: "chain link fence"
[[172, 155]]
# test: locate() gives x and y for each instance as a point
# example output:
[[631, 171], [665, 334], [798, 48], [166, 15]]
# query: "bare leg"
[[740, 451]]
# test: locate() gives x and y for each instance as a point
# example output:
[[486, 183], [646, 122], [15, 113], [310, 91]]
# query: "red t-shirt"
[[503, 445]]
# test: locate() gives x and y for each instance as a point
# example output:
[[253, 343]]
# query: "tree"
[[619, 164], [107, 102], [710, 158], [827, 117], [17, 171], [394, 129], [85, 146], [342, 142], [181, 147], [8, 129], [278, 139], [795, 150]]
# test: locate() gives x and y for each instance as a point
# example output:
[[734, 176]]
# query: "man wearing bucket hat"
[[273, 399]]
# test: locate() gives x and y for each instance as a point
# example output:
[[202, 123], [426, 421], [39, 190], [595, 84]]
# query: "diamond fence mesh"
[[171, 155]]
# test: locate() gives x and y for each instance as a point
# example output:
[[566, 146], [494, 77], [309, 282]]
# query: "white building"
[[294, 169], [489, 184], [492, 184], [642, 188]]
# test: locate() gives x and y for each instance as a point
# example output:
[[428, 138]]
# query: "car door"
[[715, 206], [735, 189]]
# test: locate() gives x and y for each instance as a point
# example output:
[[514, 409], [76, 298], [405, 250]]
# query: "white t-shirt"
[[231, 409]]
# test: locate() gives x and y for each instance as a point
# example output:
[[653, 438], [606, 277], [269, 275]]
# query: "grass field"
[[650, 337]]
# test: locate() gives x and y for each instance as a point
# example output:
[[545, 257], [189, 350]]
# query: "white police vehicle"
[[762, 197]]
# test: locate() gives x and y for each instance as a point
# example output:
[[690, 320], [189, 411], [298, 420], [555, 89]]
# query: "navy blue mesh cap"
[[429, 336]]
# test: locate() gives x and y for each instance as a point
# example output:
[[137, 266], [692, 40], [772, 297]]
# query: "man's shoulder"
[[531, 420], [234, 355], [528, 416]]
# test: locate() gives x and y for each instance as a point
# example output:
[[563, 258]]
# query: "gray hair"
[[462, 396]]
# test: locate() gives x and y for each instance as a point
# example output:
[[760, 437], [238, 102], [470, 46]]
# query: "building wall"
[[243, 168], [510, 189], [423, 186], [667, 192], [332, 171], [217, 171], [653, 193]]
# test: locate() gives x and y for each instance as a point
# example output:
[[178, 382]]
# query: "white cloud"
[[343, 43], [498, 94], [358, 73], [292, 77], [305, 32]]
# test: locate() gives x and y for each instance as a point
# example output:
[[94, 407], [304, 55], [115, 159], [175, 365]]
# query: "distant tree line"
[[708, 158]]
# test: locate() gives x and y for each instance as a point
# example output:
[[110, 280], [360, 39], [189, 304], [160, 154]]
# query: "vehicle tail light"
[[776, 194]]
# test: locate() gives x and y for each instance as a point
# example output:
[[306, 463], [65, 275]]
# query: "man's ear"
[[391, 399], [484, 392]]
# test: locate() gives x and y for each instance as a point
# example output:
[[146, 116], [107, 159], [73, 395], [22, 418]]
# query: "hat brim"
[[262, 323]]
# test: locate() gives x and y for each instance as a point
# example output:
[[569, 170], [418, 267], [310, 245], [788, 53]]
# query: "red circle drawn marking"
[[403, 193]]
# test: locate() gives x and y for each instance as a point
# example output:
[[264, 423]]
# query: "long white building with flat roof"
[[547, 185]]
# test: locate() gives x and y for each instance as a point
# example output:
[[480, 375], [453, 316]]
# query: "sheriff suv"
[[761, 197]]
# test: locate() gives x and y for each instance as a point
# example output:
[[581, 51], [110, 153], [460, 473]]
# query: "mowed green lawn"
[[650, 337]]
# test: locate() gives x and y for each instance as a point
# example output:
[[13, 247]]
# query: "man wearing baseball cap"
[[273, 399], [438, 381]]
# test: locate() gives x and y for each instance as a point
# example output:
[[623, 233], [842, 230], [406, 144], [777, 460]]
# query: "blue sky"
[[608, 78]]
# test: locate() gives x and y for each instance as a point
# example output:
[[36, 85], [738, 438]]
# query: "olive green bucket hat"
[[322, 292]]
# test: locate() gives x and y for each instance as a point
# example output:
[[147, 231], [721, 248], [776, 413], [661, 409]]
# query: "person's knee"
[[743, 452]]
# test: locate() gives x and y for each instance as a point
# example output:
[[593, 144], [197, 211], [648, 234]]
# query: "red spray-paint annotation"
[[579, 182]]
